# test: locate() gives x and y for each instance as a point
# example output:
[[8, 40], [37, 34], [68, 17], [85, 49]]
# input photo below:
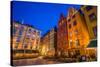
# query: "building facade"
[[62, 36], [90, 15], [78, 35], [44, 44], [49, 42], [25, 39], [76, 30]]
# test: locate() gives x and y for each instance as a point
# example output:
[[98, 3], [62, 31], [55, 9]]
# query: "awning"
[[93, 43]]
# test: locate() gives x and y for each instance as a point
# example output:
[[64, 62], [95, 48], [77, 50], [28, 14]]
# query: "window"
[[28, 35], [25, 46], [68, 20], [74, 23], [16, 46], [70, 33], [30, 30], [33, 36], [71, 43], [18, 39], [77, 42], [69, 26], [34, 32], [65, 42], [37, 42], [31, 45], [21, 30], [95, 31], [76, 32], [88, 8], [92, 17], [73, 16], [60, 24]]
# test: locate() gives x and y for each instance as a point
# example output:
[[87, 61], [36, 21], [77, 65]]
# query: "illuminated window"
[[92, 17], [18, 39], [88, 8], [71, 43], [37, 42], [70, 33], [76, 32], [77, 42], [16, 46]]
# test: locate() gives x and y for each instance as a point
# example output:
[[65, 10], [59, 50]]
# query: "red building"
[[62, 36]]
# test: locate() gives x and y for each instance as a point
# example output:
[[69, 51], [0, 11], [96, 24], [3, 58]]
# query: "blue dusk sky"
[[42, 16]]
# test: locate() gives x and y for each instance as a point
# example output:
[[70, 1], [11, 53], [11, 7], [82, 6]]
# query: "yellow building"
[[48, 43], [90, 15], [45, 44], [78, 35], [82, 29]]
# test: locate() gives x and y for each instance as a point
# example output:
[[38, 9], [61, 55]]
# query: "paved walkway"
[[35, 61]]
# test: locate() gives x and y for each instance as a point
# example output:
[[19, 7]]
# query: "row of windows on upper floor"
[[76, 42], [92, 17], [25, 43], [23, 28], [76, 32], [25, 46], [88, 8], [19, 38]]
